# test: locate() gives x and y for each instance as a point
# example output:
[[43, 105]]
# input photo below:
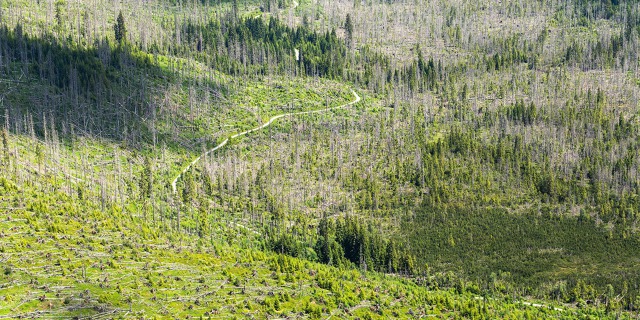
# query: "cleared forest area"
[[490, 170]]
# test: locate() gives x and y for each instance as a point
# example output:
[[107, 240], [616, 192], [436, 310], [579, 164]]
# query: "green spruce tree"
[[120, 29]]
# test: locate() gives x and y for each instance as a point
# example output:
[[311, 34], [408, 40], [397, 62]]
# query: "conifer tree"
[[120, 29], [5, 145], [146, 179], [348, 27]]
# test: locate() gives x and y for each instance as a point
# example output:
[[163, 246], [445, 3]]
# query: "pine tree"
[[120, 29], [5, 145], [348, 27], [189, 187], [146, 179]]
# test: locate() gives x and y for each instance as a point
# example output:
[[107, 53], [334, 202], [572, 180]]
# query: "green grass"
[[67, 257], [489, 204]]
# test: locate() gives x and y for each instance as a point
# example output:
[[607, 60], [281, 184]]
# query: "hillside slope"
[[66, 254], [490, 170]]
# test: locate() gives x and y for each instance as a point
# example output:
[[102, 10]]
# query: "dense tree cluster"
[[351, 239], [255, 46]]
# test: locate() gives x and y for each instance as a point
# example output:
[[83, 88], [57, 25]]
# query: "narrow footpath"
[[262, 126]]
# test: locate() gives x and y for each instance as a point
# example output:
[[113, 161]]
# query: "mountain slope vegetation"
[[490, 170]]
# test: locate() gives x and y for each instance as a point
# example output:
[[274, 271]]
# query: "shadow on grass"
[[104, 90]]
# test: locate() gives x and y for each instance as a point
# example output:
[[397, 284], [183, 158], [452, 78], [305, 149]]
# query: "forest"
[[317, 159]]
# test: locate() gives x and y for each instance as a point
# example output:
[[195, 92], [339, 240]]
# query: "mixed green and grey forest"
[[411, 158]]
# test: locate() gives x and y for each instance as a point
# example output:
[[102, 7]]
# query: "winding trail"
[[262, 126]]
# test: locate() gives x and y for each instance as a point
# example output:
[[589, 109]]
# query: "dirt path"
[[262, 126]]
